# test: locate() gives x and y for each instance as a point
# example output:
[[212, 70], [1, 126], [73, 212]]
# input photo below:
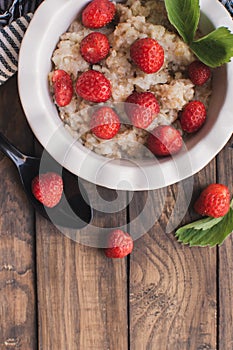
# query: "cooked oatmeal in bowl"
[[170, 84]]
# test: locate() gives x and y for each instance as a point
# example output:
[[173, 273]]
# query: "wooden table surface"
[[56, 294]]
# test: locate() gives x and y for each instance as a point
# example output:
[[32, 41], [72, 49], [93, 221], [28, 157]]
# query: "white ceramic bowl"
[[53, 18]]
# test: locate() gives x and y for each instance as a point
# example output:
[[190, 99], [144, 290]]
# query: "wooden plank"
[[225, 176], [82, 294], [172, 287], [17, 244]]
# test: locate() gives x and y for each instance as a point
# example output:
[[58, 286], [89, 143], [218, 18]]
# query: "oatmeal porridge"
[[173, 89]]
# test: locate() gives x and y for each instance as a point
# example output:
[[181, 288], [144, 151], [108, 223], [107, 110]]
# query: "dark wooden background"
[[56, 294]]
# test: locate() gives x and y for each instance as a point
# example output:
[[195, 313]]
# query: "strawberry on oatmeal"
[[140, 54]]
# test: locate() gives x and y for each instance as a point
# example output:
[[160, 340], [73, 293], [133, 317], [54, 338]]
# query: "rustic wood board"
[[18, 328], [172, 287], [225, 259], [82, 294]]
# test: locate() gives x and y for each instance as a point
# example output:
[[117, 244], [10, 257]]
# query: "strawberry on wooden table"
[[94, 47], [164, 140], [63, 87], [93, 86], [214, 201], [105, 123], [98, 13], [47, 188], [147, 54], [193, 116], [120, 244], [141, 108]]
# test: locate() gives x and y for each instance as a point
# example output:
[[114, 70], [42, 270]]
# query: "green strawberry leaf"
[[203, 224], [184, 16], [215, 48], [208, 231]]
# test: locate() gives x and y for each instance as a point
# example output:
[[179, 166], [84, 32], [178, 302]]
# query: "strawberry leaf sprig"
[[214, 49], [213, 202], [208, 231]]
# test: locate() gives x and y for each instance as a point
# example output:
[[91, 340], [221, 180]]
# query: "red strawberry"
[[141, 108], [94, 47], [47, 188], [63, 87], [120, 244], [105, 123], [98, 13], [214, 201], [147, 54], [164, 140], [193, 116], [199, 73], [93, 86]]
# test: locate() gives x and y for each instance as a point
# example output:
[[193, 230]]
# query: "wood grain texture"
[[82, 294], [172, 287], [17, 244], [225, 176]]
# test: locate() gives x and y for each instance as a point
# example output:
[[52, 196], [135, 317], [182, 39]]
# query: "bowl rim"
[[43, 117]]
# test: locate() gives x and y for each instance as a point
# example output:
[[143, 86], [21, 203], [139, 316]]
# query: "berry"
[[94, 47], [98, 13], [141, 108], [47, 189], [198, 73], [105, 123], [164, 140], [214, 201], [147, 54], [120, 244], [193, 116], [93, 86], [63, 87]]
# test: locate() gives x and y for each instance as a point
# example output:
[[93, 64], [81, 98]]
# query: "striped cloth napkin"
[[15, 16], [14, 19]]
